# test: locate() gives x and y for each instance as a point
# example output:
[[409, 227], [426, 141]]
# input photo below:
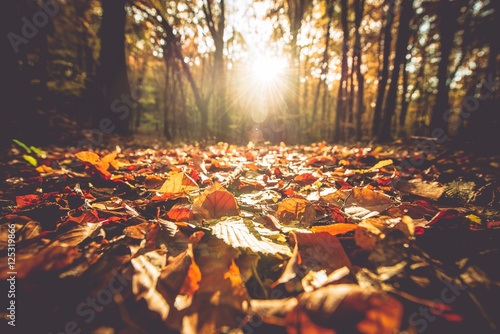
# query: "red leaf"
[[306, 178], [27, 200], [181, 211]]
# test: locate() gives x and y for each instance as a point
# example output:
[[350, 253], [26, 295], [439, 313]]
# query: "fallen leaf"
[[178, 183], [296, 210], [345, 308], [27, 200], [216, 202], [430, 190], [335, 229]]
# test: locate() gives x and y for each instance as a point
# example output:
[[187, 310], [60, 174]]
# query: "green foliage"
[[32, 161]]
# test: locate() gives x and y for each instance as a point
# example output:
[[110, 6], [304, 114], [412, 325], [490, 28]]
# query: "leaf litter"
[[255, 239]]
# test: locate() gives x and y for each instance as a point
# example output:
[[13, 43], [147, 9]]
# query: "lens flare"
[[267, 69]]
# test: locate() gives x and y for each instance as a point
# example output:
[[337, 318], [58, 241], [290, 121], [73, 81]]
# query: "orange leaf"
[[324, 311], [322, 250], [335, 229], [26, 200], [138, 231], [296, 209], [90, 157], [306, 178], [216, 202], [181, 211], [84, 217], [192, 280], [44, 169]]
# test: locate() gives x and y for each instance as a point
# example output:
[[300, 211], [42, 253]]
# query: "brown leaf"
[[53, 257], [365, 239], [369, 199], [139, 231], [153, 181], [27, 200], [345, 308], [181, 211], [216, 202], [296, 209], [84, 217], [305, 178], [321, 250], [430, 190], [24, 229]]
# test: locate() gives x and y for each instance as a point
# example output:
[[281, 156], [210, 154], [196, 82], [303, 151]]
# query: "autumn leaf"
[[216, 202], [305, 178], [139, 231], [345, 308], [153, 181], [369, 199], [193, 276], [44, 169], [178, 183], [335, 229], [84, 217], [90, 157], [241, 233], [382, 163], [296, 210], [52, 257], [27, 200], [430, 190], [181, 211], [321, 250], [24, 229], [290, 277]]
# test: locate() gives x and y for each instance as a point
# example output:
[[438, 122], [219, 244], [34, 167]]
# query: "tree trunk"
[[113, 67], [342, 92], [404, 101], [401, 50], [324, 62], [447, 26], [384, 71], [359, 6], [296, 11], [219, 76]]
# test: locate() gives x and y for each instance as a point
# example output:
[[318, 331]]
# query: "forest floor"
[[249, 239]]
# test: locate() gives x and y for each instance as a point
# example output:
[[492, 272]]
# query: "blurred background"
[[80, 72]]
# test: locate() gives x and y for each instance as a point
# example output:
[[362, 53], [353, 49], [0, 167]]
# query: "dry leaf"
[[335, 229], [216, 202], [345, 308], [296, 210]]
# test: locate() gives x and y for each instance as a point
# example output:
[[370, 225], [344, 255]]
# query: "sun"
[[267, 69]]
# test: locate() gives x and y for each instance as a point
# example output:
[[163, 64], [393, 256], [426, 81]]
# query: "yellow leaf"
[[44, 169], [90, 157], [178, 183], [473, 218], [382, 163]]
